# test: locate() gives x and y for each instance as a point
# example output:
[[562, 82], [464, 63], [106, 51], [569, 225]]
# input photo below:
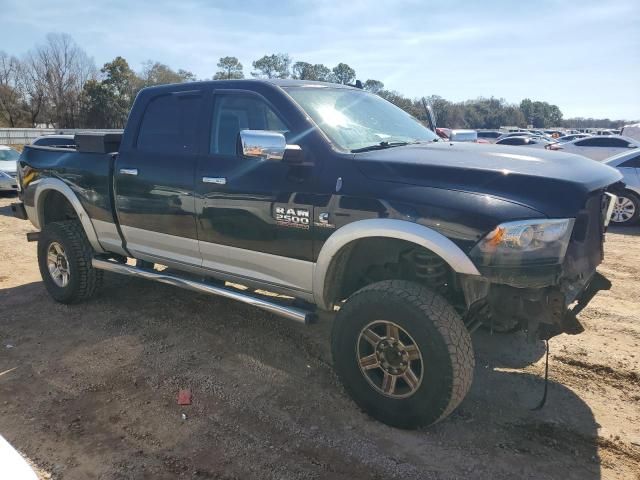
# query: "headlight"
[[539, 242]]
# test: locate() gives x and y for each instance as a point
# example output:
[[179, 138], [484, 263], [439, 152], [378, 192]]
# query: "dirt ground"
[[89, 391]]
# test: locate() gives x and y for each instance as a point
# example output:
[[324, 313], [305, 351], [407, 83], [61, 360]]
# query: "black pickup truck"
[[337, 201]]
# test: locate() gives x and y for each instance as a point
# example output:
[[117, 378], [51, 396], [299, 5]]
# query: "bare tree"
[[10, 97], [61, 69]]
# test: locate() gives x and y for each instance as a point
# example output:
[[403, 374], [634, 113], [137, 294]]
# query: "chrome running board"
[[292, 313]]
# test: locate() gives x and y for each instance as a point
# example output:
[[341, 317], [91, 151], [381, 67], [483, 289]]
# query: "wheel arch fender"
[[341, 240], [36, 215]]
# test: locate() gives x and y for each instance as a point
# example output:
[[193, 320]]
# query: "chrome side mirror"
[[263, 144]]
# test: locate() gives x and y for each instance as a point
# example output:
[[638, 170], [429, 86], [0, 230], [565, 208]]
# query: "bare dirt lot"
[[89, 391]]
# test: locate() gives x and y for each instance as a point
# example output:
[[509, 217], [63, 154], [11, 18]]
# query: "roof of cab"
[[280, 82]]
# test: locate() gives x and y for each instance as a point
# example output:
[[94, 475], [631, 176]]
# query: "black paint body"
[[460, 190]]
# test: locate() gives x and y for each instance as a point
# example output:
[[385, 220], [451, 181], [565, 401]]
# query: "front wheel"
[[402, 353], [64, 258]]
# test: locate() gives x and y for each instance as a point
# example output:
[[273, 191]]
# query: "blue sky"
[[583, 56]]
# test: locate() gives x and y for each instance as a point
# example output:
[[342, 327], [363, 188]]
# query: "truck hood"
[[554, 183]]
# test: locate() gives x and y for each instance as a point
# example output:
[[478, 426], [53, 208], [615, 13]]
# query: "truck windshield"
[[357, 121]]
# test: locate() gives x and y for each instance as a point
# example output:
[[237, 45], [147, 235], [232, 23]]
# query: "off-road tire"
[[84, 280], [439, 333]]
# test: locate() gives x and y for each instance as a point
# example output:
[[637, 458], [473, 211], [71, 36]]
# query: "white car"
[[8, 160], [531, 142], [597, 147], [627, 208]]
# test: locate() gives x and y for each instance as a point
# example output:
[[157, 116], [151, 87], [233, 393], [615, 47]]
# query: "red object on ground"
[[184, 397]]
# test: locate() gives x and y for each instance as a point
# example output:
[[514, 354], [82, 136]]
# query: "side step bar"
[[292, 313]]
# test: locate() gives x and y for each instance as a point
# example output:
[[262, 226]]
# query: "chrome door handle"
[[129, 171], [216, 180]]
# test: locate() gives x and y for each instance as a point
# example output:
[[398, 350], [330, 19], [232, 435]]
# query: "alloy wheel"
[[390, 359], [623, 210], [58, 264]]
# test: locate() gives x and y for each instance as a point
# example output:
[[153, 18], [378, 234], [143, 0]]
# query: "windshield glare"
[[354, 119], [8, 154]]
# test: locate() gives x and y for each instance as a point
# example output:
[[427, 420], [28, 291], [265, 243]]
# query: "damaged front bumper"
[[543, 312], [544, 300]]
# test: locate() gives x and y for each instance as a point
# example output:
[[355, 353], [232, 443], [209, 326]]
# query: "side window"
[[170, 124], [594, 142], [616, 142], [631, 163], [235, 112], [510, 141]]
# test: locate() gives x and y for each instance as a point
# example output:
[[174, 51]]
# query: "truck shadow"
[[254, 376], [5, 210], [632, 230]]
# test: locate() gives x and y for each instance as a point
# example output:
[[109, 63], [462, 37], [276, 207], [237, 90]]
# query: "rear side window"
[[631, 163], [488, 134], [602, 142], [170, 124], [235, 112], [587, 142], [616, 142]]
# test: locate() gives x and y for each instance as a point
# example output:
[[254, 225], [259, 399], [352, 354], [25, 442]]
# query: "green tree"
[[156, 73], [373, 86], [229, 68], [120, 85], [98, 104], [344, 74], [272, 66], [308, 71]]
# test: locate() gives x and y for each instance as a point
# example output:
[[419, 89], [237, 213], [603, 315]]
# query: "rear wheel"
[[626, 210], [64, 258], [402, 353]]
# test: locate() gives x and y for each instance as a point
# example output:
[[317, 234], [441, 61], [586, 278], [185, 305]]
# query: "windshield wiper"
[[380, 146]]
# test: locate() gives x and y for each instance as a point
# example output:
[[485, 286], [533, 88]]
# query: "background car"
[[57, 141], [626, 211], [459, 135], [597, 147], [8, 183], [525, 141], [572, 136], [631, 131], [489, 135], [9, 160], [443, 132], [524, 134]]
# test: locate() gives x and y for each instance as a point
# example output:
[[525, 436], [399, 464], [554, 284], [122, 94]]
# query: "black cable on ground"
[[546, 379]]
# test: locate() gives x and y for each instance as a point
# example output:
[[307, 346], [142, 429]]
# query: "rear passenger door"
[[154, 180]]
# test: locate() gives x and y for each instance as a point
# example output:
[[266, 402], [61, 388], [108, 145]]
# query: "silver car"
[[8, 166], [627, 209], [7, 183]]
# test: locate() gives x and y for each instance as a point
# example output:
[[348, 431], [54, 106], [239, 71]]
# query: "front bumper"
[[543, 312]]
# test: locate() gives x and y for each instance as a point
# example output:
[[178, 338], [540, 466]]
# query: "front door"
[[154, 180], [254, 216]]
